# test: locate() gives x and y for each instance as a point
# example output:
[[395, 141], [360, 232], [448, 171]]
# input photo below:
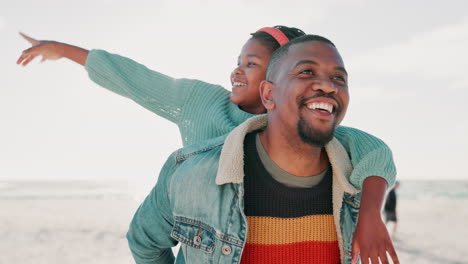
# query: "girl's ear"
[[266, 94]]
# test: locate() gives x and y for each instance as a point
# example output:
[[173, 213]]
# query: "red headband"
[[277, 34]]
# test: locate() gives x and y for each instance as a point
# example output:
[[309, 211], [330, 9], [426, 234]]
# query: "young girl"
[[203, 111]]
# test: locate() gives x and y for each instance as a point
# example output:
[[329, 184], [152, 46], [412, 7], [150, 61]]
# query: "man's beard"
[[307, 132], [312, 136]]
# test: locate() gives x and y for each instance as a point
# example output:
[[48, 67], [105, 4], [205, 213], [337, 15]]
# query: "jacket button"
[[226, 250], [197, 240]]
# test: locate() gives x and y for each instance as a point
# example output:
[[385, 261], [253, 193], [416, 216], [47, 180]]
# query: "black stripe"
[[264, 196]]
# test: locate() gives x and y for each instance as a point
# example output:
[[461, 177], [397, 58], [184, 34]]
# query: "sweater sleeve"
[[370, 156], [161, 94]]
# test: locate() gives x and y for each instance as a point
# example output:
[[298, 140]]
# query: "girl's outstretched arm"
[[185, 102], [51, 50]]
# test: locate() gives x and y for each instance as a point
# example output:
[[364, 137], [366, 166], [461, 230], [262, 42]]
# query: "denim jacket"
[[198, 202]]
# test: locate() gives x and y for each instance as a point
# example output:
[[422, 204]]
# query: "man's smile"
[[320, 106]]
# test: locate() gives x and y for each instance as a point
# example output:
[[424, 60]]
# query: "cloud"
[[438, 54], [2, 22]]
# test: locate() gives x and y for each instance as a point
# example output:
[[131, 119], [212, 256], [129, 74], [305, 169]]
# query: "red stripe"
[[311, 252]]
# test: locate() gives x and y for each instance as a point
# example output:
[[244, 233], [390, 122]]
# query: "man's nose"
[[325, 85]]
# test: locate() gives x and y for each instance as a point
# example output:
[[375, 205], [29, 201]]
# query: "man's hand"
[[371, 240], [51, 50]]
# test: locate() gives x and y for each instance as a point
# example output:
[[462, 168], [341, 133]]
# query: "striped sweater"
[[286, 225]]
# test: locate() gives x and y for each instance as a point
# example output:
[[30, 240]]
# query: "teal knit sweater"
[[203, 111]]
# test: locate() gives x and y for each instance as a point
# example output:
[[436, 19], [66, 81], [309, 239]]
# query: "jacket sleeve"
[[369, 155], [149, 235], [159, 93]]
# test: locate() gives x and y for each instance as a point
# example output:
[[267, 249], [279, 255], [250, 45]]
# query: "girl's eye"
[[250, 64]]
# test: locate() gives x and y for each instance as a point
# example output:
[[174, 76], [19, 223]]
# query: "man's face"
[[310, 92]]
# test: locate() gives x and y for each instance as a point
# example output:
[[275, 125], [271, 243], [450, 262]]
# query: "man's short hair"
[[280, 53]]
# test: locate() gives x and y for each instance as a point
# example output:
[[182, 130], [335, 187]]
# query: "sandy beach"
[[92, 231], [67, 232]]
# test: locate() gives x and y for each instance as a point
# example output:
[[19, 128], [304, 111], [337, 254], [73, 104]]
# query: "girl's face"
[[245, 79]]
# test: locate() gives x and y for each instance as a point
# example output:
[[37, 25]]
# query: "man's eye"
[[339, 78], [308, 72]]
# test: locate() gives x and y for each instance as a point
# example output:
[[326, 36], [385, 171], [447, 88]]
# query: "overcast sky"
[[407, 62]]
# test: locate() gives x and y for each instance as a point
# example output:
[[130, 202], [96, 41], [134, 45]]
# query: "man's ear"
[[266, 94]]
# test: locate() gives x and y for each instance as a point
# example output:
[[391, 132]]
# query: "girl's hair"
[[269, 41]]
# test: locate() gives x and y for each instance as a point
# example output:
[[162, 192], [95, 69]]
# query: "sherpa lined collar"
[[231, 162]]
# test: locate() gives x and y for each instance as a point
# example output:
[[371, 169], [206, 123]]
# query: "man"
[[275, 189]]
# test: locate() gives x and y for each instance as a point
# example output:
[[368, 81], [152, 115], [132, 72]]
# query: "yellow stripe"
[[275, 230]]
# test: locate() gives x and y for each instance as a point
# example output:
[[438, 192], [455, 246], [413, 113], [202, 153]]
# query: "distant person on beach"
[[275, 189], [203, 111], [390, 207]]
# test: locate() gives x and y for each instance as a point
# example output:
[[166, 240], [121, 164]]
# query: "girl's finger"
[[392, 253], [29, 59], [384, 259], [29, 39], [355, 250], [21, 58], [374, 260], [25, 54], [365, 260]]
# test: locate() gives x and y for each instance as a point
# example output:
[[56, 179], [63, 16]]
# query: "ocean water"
[[433, 190], [69, 190], [121, 190]]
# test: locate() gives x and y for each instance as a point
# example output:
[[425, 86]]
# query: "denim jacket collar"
[[231, 163]]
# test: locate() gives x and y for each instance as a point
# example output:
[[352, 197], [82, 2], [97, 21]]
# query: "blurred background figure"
[[390, 209]]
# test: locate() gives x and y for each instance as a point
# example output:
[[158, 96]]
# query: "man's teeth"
[[321, 106], [239, 84]]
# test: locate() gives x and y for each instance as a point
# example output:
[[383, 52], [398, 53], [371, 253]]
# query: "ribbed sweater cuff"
[[97, 69], [379, 163]]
